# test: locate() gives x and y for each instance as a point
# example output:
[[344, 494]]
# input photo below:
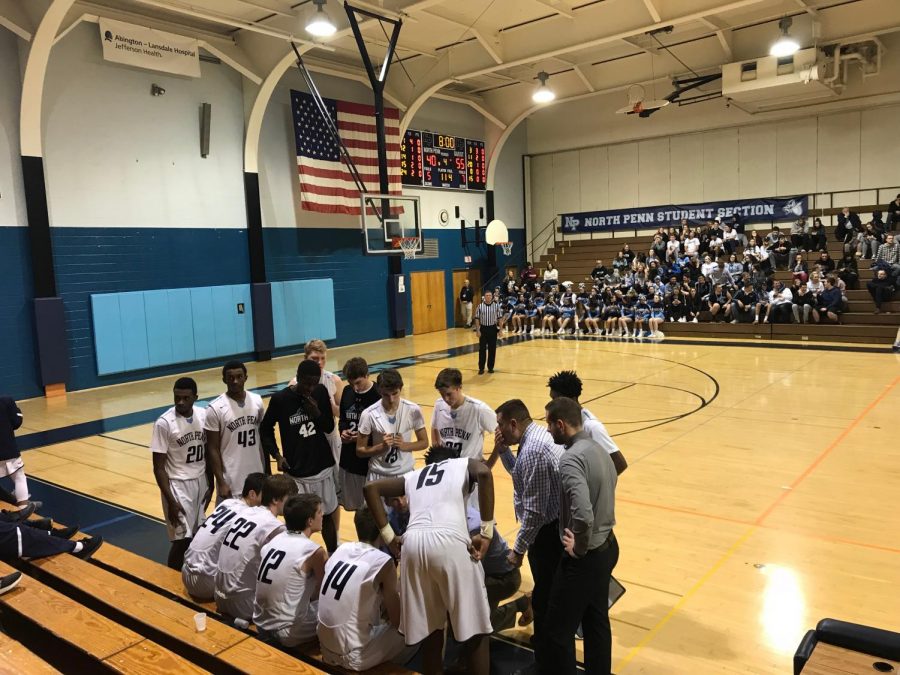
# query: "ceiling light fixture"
[[785, 45], [543, 94], [320, 24]]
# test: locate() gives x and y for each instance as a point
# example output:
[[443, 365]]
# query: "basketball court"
[[754, 503]]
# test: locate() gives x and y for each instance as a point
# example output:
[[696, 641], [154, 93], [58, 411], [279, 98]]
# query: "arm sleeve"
[[325, 422], [581, 516], [267, 428], [509, 460], [365, 424], [538, 481], [159, 439], [417, 419]]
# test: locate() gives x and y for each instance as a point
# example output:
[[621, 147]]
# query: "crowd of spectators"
[[713, 272]]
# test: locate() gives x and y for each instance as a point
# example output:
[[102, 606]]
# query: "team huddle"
[[438, 521]]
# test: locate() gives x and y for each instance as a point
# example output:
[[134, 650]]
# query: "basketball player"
[[439, 571], [232, 433], [239, 555], [11, 463], [360, 591], [178, 445], [202, 557], [359, 394], [459, 421], [567, 383], [289, 576], [303, 414], [384, 428]]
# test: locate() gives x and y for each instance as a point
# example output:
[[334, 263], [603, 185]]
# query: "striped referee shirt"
[[488, 314], [536, 487]]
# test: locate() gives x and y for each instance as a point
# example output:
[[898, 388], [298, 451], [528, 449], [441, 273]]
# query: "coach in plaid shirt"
[[536, 489]]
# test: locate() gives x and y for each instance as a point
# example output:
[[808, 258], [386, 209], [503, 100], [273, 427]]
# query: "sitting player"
[[359, 605], [290, 573], [240, 552], [438, 577], [202, 557]]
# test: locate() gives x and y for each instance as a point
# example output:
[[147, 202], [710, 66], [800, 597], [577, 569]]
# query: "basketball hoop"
[[507, 247], [409, 246]]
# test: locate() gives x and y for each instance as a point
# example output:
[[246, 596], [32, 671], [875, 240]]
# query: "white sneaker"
[[734, 321], [695, 320], [561, 331], [756, 320], [682, 320]]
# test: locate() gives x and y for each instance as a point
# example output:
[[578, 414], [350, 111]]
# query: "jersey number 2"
[[241, 529]]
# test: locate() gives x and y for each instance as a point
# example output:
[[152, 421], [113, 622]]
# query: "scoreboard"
[[428, 159]]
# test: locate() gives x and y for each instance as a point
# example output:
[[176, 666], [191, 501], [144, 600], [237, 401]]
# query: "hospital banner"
[[143, 47]]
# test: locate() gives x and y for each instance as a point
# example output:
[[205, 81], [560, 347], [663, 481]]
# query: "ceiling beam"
[[269, 6], [557, 7], [812, 11], [581, 76], [14, 19], [654, 13], [723, 34], [475, 105], [488, 46]]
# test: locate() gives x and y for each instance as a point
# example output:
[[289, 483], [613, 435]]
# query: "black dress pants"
[[580, 595], [21, 541], [487, 347], [543, 557]]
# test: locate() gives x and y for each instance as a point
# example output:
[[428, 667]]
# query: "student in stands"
[[745, 305], [803, 302], [881, 288], [779, 305], [359, 603], [291, 570], [201, 560], [239, 555], [848, 270], [830, 303]]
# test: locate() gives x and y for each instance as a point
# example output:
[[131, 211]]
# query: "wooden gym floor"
[[760, 495]]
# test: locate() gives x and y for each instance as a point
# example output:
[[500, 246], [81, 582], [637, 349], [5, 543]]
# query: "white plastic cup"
[[200, 621]]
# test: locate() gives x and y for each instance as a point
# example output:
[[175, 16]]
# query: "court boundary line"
[[752, 529]]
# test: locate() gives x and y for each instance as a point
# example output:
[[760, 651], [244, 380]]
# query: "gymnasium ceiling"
[[488, 52]]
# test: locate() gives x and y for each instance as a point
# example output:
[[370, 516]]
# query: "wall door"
[[459, 276], [429, 305]]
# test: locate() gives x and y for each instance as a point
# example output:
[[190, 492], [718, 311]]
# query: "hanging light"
[[785, 45], [543, 94], [320, 23]]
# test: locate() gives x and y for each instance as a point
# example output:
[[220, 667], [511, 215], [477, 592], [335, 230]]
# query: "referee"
[[488, 320]]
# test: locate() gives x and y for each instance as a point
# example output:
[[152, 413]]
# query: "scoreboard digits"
[[439, 160]]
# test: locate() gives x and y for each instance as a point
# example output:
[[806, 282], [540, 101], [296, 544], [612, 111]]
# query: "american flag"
[[326, 185]]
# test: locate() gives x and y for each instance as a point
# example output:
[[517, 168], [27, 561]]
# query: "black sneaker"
[[579, 633], [45, 524], [9, 582], [65, 532], [36, 506], [481, 372], [89, 547], [25, 512]]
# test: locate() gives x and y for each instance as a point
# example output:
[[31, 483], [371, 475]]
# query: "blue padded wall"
[[19, 376], [303, 310], [144, 329]]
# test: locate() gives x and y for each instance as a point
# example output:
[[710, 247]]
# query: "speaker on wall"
[[481, 212], [456, 211], [205, 118]]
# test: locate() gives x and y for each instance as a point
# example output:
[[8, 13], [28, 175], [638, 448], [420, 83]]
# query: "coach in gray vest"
[[580, 588]]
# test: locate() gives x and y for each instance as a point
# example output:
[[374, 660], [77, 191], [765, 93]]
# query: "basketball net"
[[507, 247], [409, 246]]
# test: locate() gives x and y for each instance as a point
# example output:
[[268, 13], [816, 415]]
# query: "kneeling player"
[[440, 571], [290, 574], [360, 588], [202, 557], [240, 552]]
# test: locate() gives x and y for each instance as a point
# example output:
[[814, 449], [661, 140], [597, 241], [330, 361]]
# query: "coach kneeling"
[[580, 590]]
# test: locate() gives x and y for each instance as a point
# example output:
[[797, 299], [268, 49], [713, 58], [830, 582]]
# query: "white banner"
[[148, 48]]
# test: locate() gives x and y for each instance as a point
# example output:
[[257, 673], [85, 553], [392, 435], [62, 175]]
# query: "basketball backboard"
[[496, 232], [386, 219]]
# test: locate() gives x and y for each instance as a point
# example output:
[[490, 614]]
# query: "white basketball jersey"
[[202, 556], [239, 553], [377, 422], [350, 601], [437, 498], [183, 441], [334, 438], [283, 591], [239, 442], [463, 429], [598, 432]]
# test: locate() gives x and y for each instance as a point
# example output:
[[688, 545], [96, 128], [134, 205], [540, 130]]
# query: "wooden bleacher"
[[147, 599], [15, 659], [574, 258]]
